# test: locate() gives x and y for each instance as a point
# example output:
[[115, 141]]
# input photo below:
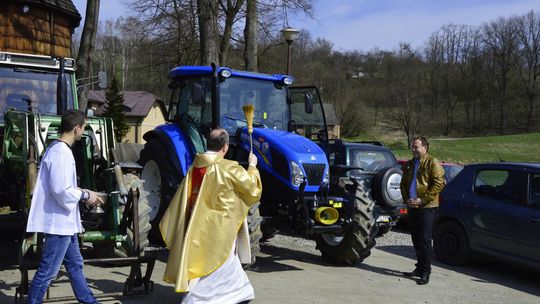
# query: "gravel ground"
[[395, 238], [290, 270]]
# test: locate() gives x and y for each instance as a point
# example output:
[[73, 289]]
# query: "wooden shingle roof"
[[64, 6]]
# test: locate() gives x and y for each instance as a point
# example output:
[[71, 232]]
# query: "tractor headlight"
[[326, 178], [288, 80], [225, 73], [297, 176]]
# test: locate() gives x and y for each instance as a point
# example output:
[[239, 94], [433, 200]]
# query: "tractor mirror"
[[308, 102], [102, 79], [197, 93]]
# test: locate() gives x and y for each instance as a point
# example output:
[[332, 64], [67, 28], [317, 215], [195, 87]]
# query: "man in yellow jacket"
[[205, 230], [422, 181]]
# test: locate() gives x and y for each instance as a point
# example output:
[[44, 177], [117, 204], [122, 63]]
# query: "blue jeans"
[[58, 248]]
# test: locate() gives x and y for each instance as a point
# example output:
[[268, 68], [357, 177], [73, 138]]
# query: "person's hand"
[[94, 199], [414, 203], [252, 160]]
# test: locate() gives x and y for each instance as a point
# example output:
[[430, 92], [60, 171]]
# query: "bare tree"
[[528, 59], [86, 49], [250, 35], [207, 11], [230, 9], [500, 39]]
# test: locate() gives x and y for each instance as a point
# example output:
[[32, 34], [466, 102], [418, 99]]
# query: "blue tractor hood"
[[276, 149]]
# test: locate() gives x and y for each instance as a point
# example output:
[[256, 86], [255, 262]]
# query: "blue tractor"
[[294, 169]]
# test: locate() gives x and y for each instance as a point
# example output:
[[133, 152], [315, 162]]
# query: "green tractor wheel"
[[353, 245]]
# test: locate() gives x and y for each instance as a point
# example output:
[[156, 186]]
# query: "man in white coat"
[[55, 213]]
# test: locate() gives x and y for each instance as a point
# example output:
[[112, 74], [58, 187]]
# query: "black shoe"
[[415, 273], [424, 279]]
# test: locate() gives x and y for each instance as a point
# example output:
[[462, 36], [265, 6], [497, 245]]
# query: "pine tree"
[[115, 110]]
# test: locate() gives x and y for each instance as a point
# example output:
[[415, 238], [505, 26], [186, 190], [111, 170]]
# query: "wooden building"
[[42, 27]]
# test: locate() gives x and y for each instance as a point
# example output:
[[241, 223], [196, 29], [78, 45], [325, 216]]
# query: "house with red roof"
[[144, 111]]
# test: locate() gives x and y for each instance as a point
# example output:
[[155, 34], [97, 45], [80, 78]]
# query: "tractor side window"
[[187, 107]]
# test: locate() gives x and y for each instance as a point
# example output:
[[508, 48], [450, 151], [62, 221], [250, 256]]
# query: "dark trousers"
[[421, 224]]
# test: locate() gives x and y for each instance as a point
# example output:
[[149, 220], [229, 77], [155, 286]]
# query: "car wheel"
[[451, 244]]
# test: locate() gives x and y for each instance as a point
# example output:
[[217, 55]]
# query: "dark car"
[[491, 209], [376, 166], [450, 169]]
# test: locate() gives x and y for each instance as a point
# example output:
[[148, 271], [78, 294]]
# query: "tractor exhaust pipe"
[[61, 89]]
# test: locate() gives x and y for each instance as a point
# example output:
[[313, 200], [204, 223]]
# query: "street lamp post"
[[290, 34]]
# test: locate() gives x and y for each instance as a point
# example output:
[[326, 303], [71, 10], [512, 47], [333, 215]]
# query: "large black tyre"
[[451, 244], [161, 179], [254, 221], [133, 182], [355, 244], [386, 189]]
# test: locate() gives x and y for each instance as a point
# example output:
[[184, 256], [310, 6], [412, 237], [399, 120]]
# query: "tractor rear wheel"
[[133, 182], [355, 243], [161, 181]]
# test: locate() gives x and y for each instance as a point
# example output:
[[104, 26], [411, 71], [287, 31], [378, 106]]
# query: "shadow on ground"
[[480, 270]]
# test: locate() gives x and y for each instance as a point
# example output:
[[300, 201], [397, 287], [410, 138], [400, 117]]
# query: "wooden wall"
[[39, 31]]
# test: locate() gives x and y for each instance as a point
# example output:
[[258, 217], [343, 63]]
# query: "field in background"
[[520, 147]]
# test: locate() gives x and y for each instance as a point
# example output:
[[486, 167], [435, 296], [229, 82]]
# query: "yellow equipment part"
[[326, 215]]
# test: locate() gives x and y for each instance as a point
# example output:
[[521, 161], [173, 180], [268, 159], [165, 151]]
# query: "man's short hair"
[[217, 140], [71, 119], [424, 141]]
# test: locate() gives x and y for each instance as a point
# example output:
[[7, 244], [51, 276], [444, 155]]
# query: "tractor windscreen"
[[269, 99], [28, 89]]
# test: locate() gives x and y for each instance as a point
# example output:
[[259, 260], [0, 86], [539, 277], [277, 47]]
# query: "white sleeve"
[[60, 169]]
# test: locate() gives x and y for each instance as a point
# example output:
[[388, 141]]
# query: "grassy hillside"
[[521, 147]]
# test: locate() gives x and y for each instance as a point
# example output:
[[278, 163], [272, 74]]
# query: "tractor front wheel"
[[355, 243], [254, 221]]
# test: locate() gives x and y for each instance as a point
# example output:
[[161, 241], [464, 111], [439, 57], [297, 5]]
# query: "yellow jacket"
[[429, 180], [204, 244]]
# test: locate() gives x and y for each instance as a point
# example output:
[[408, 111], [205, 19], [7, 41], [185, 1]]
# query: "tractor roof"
[[186, 71]]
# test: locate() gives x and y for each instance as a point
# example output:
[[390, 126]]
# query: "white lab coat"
[[55, 203]]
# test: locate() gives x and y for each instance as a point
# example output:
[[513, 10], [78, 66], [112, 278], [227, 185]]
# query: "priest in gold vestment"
[[205, 227]]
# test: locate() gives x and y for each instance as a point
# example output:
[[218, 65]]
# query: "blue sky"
[[365, 24]]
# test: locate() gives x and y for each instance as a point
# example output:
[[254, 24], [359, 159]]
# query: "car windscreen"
[[450, 171], [370, 160]]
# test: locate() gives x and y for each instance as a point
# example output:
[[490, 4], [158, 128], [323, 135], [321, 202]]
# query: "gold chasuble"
[[202, 243]]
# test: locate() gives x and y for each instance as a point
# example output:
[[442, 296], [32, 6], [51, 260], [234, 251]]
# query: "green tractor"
[[34, 91]]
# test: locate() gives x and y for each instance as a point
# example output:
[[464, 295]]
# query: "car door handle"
[[534, 219], [474, 205]]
